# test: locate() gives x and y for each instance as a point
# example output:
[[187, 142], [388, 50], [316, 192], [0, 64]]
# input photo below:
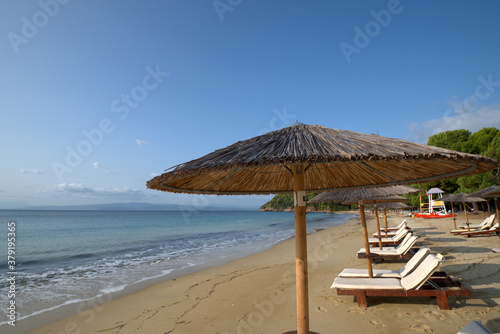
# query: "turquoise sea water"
[[65, 257]]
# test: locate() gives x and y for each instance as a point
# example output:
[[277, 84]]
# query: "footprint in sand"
[[334, 300], [421, 328], [377, 324], [321, 309], [355, 310]]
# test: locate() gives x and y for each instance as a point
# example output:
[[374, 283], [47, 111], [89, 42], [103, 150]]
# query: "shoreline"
[[256, 294]]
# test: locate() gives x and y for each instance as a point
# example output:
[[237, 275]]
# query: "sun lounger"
[[387, 253], [390, 241], [424, 281], [475, 327], [396, 227], [405, 239], [487, 221], [486, 224], [392, 233], [385, 273], [493, 229]]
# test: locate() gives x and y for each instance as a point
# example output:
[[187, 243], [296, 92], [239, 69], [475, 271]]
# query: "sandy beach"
[[256, 294]]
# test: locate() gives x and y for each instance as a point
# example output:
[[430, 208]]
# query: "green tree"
[[457, 140], [482, 139]]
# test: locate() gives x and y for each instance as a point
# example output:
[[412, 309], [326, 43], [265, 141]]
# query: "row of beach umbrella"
[[475, 197]]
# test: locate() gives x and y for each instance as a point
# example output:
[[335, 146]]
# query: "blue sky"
[[99, 96]]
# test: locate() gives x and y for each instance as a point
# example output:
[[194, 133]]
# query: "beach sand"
[[256, 294]]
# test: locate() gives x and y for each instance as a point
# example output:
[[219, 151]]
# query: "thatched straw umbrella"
[[494, 192], [483, 191], [462, 197], [302, 158], [363, 195]]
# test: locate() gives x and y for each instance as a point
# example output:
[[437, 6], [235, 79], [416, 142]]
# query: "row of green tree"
[[285, 201], [485, 142]]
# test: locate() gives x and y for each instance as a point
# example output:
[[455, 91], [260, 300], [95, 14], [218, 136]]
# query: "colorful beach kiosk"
[[435, 208]]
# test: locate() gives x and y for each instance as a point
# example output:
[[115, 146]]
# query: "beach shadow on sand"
[[493, 325], [447, 250], [450, 239]]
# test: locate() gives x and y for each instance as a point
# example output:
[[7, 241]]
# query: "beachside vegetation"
[[284, 202], [484, 142]]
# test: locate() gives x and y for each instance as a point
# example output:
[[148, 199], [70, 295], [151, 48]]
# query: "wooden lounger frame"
[[380, 257], [440, 285], [483, 232]]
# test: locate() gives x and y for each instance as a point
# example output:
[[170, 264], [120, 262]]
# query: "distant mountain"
[[136, 207]]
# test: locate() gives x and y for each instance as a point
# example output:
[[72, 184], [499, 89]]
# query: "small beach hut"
[[302, 158], [463, 198]]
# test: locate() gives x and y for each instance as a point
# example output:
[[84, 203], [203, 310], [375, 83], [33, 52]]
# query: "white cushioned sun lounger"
[[402, 248], [396, 227], [493, 229], [487, 221], [391, 233], [394, 240], [407, 268], [423, 281], [486, 224]]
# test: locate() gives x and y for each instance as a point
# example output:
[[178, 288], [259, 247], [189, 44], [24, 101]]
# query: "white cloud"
[[74, 188], [31, 171], [459, 118], [96, 165], [141, 142], [80, 190]]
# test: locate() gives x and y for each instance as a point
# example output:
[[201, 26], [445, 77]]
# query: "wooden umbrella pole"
[[453, 214], [378, 227], [385, 221], [466, 217], [301, 251], [365, 235], [496, 210]]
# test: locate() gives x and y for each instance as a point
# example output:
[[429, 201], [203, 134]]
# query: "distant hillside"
[[284, 202]]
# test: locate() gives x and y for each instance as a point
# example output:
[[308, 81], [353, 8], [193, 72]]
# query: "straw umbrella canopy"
[[395, 205], [302, 158], [482, 192], [462, 197], [493, 192], [362, 196]]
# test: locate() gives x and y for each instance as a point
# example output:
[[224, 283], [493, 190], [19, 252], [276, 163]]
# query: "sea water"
[[65, 257]]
